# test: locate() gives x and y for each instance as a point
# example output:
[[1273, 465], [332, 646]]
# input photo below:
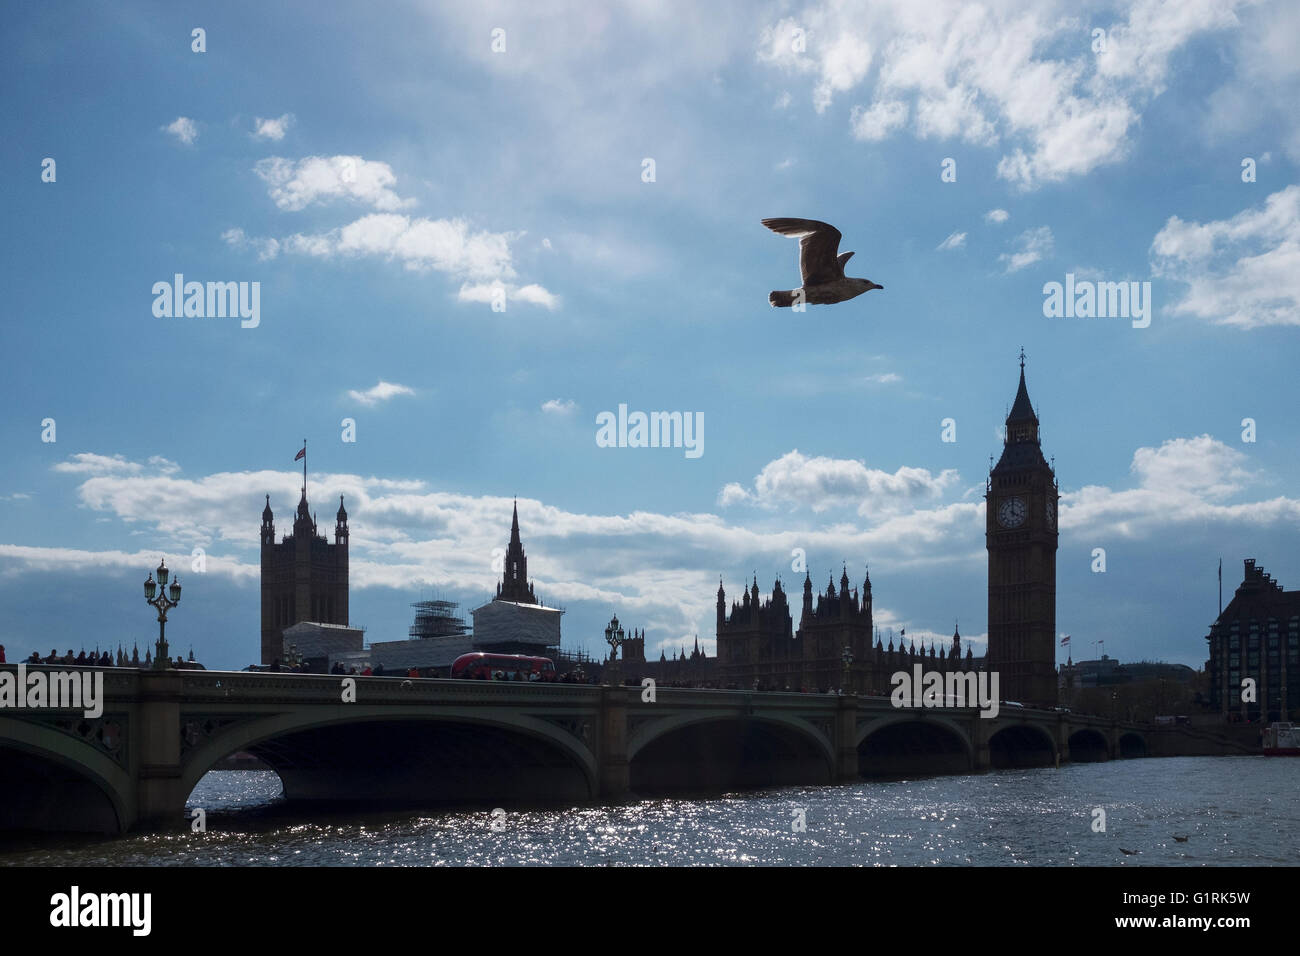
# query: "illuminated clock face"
[[1051, 513], [1011, 513]]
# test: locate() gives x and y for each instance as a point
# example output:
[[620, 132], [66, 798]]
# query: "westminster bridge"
[[502, 743]]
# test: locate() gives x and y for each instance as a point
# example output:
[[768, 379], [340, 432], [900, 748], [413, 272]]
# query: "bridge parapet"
[[120, 683], [328, 689]]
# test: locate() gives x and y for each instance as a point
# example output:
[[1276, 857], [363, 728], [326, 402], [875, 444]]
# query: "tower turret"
[[341, 524], [722, 608]]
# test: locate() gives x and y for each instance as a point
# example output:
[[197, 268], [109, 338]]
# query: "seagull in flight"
[[821, 265]]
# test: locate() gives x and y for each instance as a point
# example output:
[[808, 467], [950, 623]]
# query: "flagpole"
[[304, 469], [1220, 587]]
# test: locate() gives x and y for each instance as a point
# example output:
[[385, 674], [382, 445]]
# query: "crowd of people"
[[82, 659], [94, 658]]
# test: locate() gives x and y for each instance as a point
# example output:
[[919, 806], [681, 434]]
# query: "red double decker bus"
[[483, 666]]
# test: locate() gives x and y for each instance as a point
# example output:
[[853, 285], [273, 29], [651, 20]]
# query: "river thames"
[[1234, 811]]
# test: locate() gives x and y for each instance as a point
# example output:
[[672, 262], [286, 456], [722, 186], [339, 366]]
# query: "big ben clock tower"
[[1020, 516]]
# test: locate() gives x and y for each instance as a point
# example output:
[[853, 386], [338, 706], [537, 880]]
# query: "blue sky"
[[381, 172]]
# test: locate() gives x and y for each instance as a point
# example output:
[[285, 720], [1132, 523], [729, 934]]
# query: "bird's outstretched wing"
[[818, 244]]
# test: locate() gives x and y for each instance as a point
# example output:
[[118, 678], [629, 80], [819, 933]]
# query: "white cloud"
[[1016, 73], [954, 115], [79, 561], [379, 393], [779, 46], [266, 248], [1199, 465], [420, 244], [1184, 481], [997, 216], [954, 241], [844, 64], [1140, 47], [536, 295], [296, 185], [273, 129], [489, 292], [878, 122], [1034, 244], [822, 483], [183, 128], [89, 463], [558, 406], [841, 60], [1243, 271]]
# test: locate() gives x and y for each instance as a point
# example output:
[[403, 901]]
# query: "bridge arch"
[[913, 743], [1021, 744], [723, 749], [1132, 744], [297, 744], [78, 788], [1088, 745]]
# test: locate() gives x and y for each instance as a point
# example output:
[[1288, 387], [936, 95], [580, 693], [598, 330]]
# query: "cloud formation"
[[183, 128], [558, 406], [379, 393], [490, 292], [272, 129], [1184, 480], [1034, 245], [1028, 77], [1243, 271], [294, 185], [481, 259], [822, 483]]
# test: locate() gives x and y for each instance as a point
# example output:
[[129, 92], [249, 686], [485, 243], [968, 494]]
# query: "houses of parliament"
[[305, 578], [836, 644]]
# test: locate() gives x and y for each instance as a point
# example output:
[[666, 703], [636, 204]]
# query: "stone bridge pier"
[[160, 791]]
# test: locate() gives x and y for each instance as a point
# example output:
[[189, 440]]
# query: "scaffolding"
[[437, 619], [572, 658]]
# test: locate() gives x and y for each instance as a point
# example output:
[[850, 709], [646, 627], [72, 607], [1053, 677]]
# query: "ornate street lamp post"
[[614, 635], [167, 599], [847, 658]]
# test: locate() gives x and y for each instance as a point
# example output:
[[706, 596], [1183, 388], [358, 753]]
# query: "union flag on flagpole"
[[1065, 640], [302, 453]]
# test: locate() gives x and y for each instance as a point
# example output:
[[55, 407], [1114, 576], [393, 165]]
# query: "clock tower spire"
[[1021, 537]]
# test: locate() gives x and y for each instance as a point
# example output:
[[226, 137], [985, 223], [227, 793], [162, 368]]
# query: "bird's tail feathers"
[[781, 300]]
